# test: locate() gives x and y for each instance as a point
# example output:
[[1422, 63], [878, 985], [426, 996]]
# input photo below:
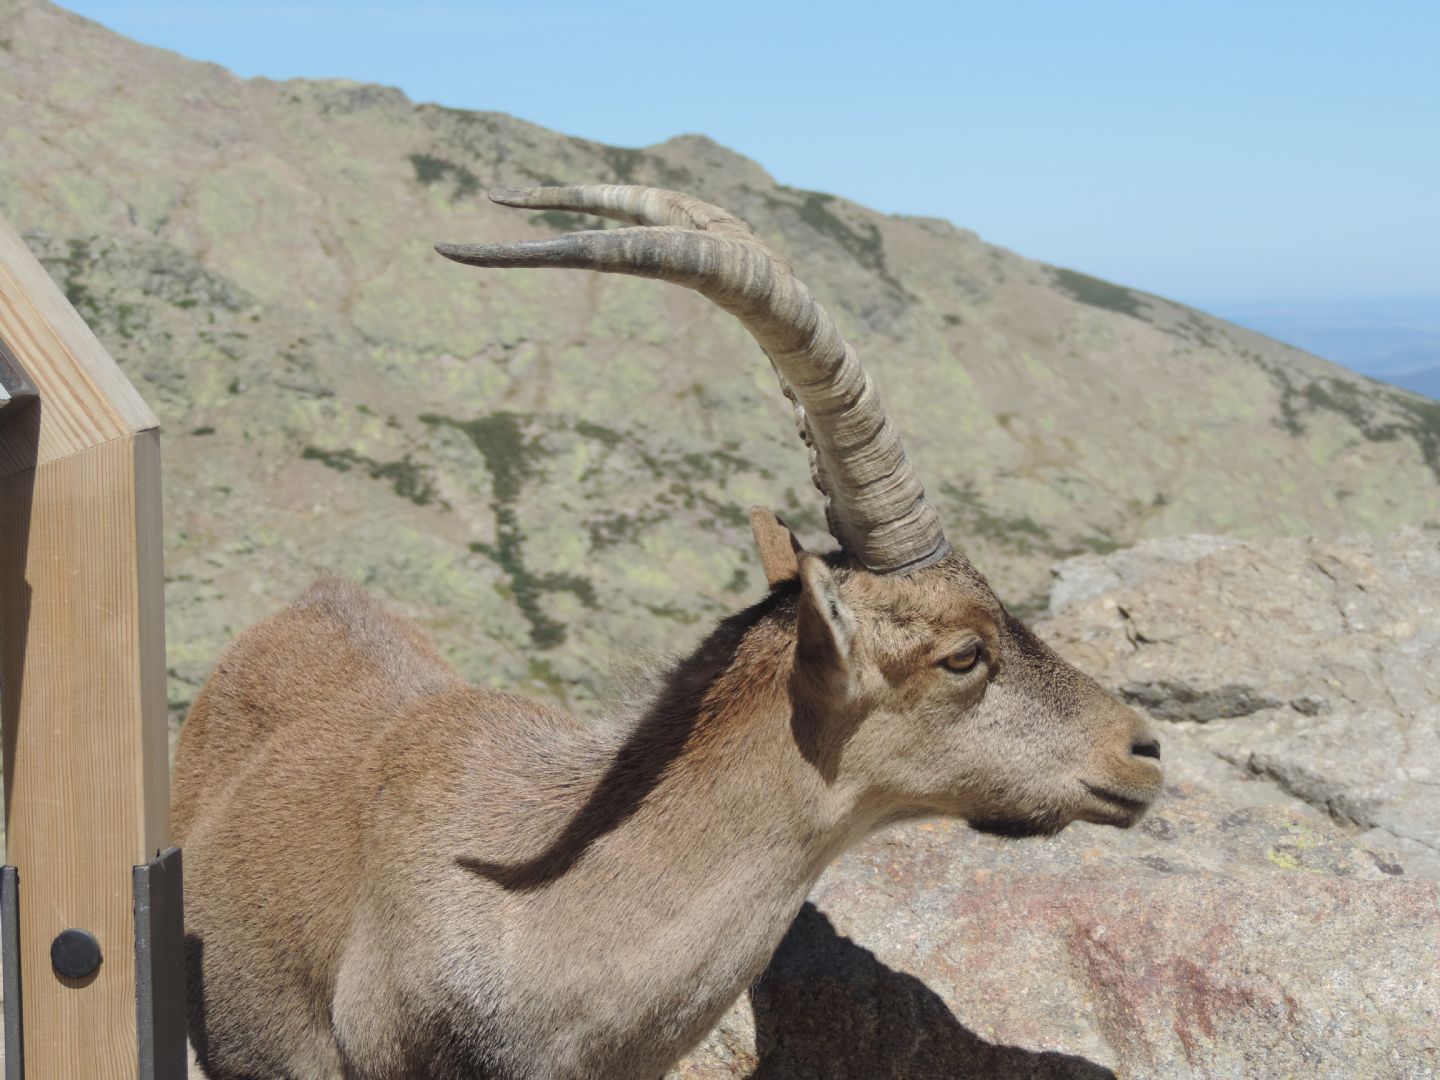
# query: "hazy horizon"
[[1380, 337]]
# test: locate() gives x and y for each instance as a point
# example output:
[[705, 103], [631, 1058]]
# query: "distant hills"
[[1394, 339], [552, 469], [1426, 381]]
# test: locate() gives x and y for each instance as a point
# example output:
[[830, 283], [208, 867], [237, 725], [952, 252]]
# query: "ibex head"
[[910, 685], [925, 690]]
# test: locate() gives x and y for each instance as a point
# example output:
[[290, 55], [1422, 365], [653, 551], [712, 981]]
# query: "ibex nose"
[[1148, 747]]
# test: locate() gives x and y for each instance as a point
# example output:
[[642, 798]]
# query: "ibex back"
[[392, 874]]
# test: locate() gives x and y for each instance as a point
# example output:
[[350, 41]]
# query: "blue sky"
[[1218, 153]]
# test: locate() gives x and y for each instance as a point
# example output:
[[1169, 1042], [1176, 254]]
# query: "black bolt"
[[75, 953]]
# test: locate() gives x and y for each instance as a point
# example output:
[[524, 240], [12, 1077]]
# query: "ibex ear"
[[779, 550], [824, 630]]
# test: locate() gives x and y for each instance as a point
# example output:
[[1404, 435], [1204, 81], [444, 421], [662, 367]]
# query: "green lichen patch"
[[624, 162], [599, 433], [542, 673], [864, 244], [431, 170], [641, 167], [1423, 415], [801, 513], [1290, 403], [614, 528], [1097, 293], [728, 513], [118, 288], [1409, 416], [1099, 541], [972, 517], [1011, 538], [673, 613], [1378, 412], [686, 474], [510, 456], [625, 489], [527, 589], [687, 467], [408, 479], [1196, 331], [563, 221], [72, 273]]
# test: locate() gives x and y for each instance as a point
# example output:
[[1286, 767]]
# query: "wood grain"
[[84, 732], [82, 669], [87, 398]]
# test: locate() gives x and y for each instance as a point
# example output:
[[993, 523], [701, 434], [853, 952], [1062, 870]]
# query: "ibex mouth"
[[1132, 808], [1015, 828]]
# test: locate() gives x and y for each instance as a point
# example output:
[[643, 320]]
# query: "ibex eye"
[[963, 660]]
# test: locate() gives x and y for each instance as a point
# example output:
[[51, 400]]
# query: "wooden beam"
[[87, 398], [82, 668]]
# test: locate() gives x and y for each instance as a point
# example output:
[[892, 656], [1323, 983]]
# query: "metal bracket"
[[10, 958], [15, 386], [160, 967]]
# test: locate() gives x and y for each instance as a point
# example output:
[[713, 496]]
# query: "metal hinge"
[[159, 968]]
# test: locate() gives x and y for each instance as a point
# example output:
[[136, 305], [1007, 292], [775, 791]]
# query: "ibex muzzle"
[[392, 874]]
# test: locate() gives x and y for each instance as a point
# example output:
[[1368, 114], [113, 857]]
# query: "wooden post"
[[82, 670]]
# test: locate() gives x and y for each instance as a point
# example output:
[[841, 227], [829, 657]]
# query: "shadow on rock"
[[828, 1008]]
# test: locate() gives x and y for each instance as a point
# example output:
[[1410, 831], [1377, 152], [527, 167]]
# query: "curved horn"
[[876, 507], [626, 202]]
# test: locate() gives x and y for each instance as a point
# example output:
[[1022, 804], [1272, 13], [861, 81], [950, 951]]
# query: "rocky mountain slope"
[[1277, 913], [548, 469]]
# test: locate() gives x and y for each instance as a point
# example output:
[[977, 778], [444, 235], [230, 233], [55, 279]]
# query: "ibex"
[[391, 873]]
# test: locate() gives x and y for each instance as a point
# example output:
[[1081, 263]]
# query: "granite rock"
[[1311, 663], [1276, 913]]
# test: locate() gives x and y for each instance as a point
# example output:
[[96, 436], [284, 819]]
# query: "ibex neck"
[[680, 905], [732, 796]]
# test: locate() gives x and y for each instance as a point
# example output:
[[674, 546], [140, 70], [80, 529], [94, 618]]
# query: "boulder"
[[1310, 663], [1274, 914]]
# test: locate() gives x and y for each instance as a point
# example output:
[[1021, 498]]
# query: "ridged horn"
[[876, 507]]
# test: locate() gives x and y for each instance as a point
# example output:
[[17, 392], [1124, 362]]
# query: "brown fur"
[[392, 874]]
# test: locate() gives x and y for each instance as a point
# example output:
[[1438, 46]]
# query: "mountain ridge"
[[545, 467]]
